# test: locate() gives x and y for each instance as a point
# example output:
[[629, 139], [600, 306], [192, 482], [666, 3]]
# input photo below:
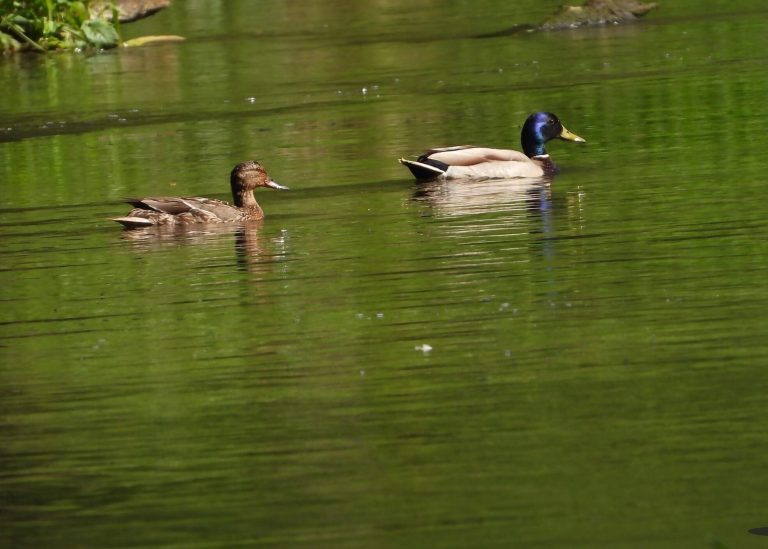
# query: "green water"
[[595, 369]]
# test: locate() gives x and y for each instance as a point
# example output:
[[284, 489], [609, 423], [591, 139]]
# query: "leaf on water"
[[100, 33], [144, 40]]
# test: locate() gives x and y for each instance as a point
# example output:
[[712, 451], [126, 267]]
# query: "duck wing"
[[208, 208], [469, 156], [165, 204]]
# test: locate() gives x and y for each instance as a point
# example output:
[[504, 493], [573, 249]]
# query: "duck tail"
[[131, 222], [422, 170]]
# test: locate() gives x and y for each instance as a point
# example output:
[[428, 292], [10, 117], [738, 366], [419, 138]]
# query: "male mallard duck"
[[467, 162], [245, 177]]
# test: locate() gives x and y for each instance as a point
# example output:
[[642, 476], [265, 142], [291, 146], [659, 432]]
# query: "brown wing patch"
[[221, 210], [169, 205], [191, 208]]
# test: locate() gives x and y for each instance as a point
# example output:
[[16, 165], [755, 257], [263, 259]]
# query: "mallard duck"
[[245, 177], [468, 162]]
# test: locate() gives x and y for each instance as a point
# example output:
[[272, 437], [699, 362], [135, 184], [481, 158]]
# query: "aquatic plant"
[[43, 25]]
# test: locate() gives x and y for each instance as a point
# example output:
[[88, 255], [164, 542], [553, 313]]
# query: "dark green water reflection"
[[595, 377]]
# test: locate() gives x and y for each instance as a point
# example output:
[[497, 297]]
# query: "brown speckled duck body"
[[173, 210]]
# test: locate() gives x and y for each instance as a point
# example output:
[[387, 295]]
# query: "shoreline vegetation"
[[44, 25], [72, 25], [78, 25]]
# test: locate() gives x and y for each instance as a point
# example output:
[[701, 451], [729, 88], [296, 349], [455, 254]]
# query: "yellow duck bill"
[[570, 136]]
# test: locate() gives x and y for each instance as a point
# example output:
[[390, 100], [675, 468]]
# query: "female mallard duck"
[[245, 177], [467, 162]]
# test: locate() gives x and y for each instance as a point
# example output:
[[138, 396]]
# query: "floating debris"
[[148, 40], [127, 10], [596, 12], [591, 13]]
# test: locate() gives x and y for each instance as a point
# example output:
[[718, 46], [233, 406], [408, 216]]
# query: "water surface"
[[382, 363]]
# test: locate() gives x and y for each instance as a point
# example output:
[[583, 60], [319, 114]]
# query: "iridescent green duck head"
[[540, 128]]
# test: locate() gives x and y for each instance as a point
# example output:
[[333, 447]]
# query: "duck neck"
[[533, 147], [244, 199], [547, 165]]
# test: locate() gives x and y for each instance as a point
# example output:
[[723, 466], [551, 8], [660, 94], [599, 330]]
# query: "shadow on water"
[[33, 126]]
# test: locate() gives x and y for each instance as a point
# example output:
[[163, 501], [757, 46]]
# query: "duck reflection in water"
[[459, 198], [164, 236], [503, 206], [254, 252]]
